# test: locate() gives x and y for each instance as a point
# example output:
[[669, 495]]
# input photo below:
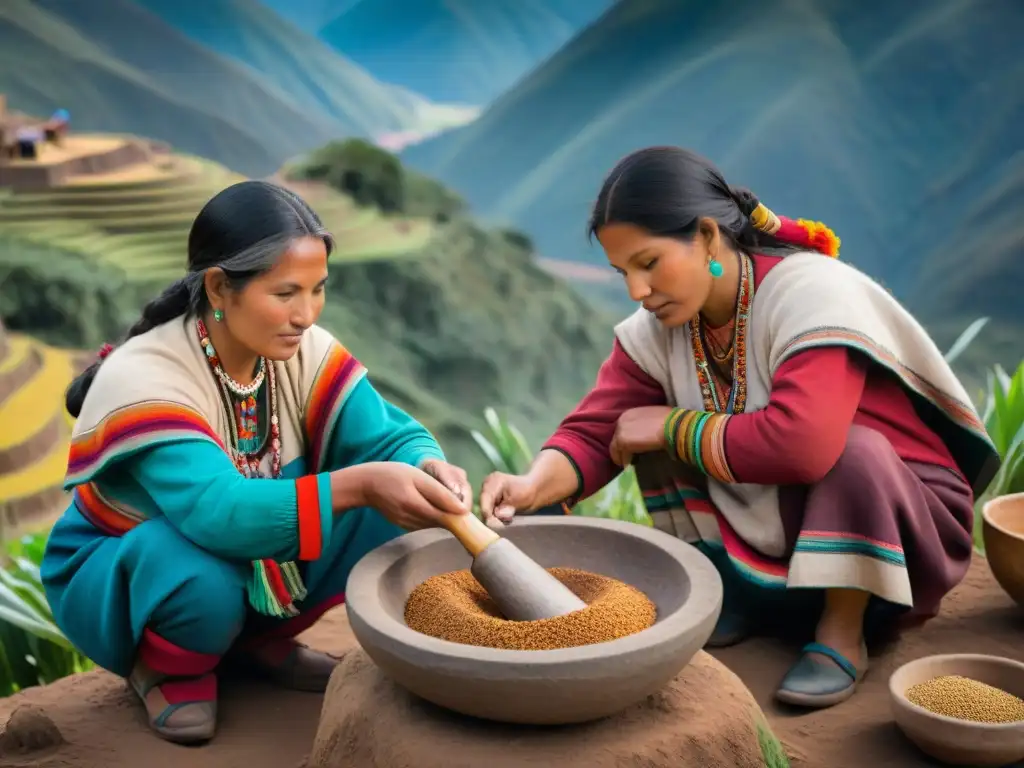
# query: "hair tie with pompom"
[[801, 232], [105, 350]]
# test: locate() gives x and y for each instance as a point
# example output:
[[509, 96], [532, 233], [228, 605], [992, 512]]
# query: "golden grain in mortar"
[[453, 606]]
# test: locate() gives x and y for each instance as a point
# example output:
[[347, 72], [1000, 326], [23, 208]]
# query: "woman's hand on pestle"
[[405, 495], [451, 477]]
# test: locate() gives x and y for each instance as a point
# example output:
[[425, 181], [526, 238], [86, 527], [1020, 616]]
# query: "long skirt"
[[153, 592], [901, 531]]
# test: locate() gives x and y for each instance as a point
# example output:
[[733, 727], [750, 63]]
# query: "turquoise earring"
[[715, 268], [218, 315]]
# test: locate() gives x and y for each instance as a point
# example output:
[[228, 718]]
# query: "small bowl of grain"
[[1003, 534], [962, 708]]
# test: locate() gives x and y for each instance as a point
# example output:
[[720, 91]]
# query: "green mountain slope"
[[46, 63], [454, 50], [315, 77], [196, 73], [836, 111]]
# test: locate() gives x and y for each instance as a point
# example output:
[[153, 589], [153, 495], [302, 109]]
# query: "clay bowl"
[[1003, 532], [554, 687], [952, 741]]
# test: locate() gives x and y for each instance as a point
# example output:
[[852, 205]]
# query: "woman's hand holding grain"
[[407, 496], [503, 495]]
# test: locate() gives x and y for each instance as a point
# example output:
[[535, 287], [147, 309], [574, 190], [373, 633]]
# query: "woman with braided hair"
[[783, 412], [230, 463]]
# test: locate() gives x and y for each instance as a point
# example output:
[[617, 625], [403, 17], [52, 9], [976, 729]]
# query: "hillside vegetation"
[[449, 317], [116, 66], [454, 50], [837, 111]]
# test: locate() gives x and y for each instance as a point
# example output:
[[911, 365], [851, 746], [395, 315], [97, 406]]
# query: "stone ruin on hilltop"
[[38, 154]]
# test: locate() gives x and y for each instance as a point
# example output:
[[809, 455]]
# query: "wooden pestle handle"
[[471, 532]]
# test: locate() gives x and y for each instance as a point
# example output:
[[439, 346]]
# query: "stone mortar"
[[571, 685]]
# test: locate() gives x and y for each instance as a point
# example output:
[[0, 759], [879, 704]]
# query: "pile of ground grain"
[[453, 606]]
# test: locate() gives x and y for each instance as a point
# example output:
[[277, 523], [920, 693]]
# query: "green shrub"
[[1003, 415], [61, 297], [1004, 421], [33, 650], [429, 198], [370, 175]]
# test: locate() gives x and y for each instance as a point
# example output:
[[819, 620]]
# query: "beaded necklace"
[[733, 400], [720, 352], [246, 450]]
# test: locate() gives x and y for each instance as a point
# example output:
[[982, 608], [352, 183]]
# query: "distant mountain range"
[[311, 15], [899, 124], [226, 79], [463, 51]]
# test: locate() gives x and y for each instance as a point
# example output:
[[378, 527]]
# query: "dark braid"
[[242, 230], [667, 190], [172, 303]]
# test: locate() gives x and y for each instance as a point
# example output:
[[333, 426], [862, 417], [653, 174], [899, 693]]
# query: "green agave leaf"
[[492, 454], [33, 626], [965, 339], [30, 593], [29, 569], [524, 449]]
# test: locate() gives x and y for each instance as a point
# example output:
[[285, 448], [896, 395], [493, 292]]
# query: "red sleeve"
[[585, 435], [798, 437]]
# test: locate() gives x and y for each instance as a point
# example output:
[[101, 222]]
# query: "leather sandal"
[[815, 683], [182, 710]]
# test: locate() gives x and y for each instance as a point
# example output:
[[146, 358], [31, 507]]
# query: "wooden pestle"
[[519, 586]]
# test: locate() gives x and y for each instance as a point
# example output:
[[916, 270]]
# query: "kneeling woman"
[[230, 464], [782, 411]]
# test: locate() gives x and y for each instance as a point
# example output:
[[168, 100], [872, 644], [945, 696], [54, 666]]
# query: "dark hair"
[[242, 230], [667, 190]]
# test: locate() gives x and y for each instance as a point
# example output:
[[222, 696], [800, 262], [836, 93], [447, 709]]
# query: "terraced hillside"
[[34, 440], [137, 218], [445, 314]]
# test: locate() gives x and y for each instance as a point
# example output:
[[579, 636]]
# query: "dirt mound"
[[705, 717], [262, 727], [29, 731]]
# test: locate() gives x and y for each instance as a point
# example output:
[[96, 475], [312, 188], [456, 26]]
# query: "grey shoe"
[[181, 710], [814, 683]]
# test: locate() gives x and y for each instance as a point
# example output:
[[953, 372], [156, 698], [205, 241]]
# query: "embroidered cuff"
[[698, 438], [315, 514], [568, 504]]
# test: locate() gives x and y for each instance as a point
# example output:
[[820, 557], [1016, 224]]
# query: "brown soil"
[[370, 721], [261, 727]]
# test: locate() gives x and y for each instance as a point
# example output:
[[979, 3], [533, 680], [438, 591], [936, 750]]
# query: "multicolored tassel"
[[275, 588], [801, 232]]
